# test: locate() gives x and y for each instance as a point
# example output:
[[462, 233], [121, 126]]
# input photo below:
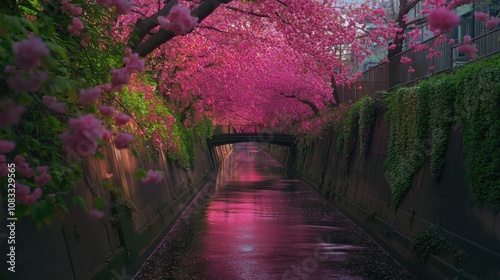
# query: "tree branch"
[[144, 26], [303, 101], [245, 12], [162, 36]]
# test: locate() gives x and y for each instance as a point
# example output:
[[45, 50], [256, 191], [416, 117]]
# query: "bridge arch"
[[228, 134]]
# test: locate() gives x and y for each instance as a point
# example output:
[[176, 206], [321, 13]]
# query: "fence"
[[386, 75], [258, 129]]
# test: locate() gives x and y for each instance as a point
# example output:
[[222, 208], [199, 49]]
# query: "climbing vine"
[[365, 122], [428, 241], [346, 140], [408, 118], [441, 92], [421, 119], [478, 107], [356, 126]]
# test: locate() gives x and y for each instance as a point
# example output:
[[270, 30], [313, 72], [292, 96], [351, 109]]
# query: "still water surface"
[[250, 222]]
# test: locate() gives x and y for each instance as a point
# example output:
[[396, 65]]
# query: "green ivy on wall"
[[365, 122], [356, 126], [478, 108], [421, 119], [408, 118]]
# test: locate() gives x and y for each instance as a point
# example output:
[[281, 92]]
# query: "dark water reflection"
[[256, 224]]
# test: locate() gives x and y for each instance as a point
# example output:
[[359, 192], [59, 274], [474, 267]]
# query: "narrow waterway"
[[253, 223]]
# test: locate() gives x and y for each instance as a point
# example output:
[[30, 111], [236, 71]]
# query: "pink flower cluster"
[[29, 53], [121, 6], [180, 21], [106, 111], [10, 113], [467, 47], [480, 16], [122, 140], [22, 166], [52, 103], [492, 22], [4, 170], [442, 20], [120, 77], [152, 177], [71, 9], [96, 214], [25, 196], [89, 95], [83, 135], [121, 119], [31, 81], [75, 27], [405, 60], [7, 146], [43, 176]]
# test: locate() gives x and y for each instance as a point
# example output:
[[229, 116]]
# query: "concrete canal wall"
[[77, 247], [362, 192]]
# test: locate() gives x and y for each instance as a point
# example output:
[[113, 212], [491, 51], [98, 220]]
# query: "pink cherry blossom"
[[85, 41], [7, 146], [106, 111], [411, 70], [119, 77], [10, 113], [121, 119], [180, 20], [72, 9], [442, 20], [405, 60], [83, 135], [75, 27], [133, 63], [43, 179], [4, 170], [42, 169], [480, 16], [31, 82], [22, 167], [469, 49], [122, 6], [25, 196], [96, 214], [47, 99], [492, 22], [89, 95], [467, 39], [122, 140], [28, 53], [57, 107], [152, 177], [106, 135], [51, 103]]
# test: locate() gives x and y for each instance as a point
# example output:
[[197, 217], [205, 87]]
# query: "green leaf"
[[140, 173], [80, 201], [98, 155], [108, 185], [58, 49], [54, 123], [98, 203]]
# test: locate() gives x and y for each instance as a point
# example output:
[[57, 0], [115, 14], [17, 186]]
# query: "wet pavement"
[[250, 222]]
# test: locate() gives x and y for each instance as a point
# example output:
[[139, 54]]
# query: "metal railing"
[[386, 75], [257, 129]]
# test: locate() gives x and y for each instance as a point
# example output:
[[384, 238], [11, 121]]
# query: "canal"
[[251, 222]]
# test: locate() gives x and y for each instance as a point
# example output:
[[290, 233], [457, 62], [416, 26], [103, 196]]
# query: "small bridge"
[[231, 134]]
